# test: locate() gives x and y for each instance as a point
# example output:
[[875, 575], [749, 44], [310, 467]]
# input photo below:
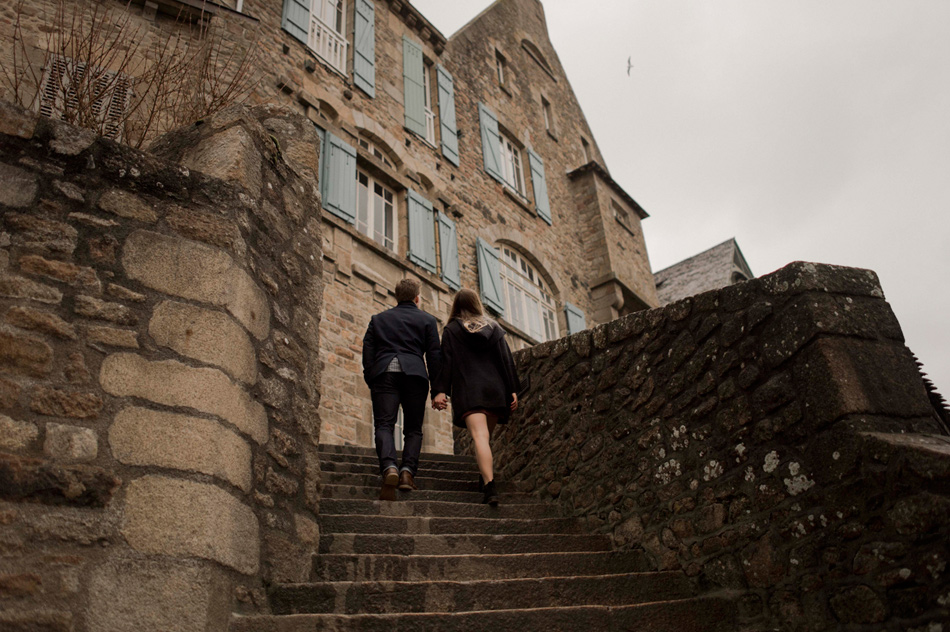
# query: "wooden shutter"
[[296, 19], [364, 47], [449, 252], [491, 141], [489, 277], [540, 185], [576, 321], [421, 231], [449, 132], [338, 184], [413, 90]]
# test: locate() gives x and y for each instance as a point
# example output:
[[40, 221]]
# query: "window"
[[500, 67], [511, 172], [427, 101], [373, 149], [620, 213], [75, 92], [528, 302], [375, 212], [586, 146], [326, 39], [548, 116]]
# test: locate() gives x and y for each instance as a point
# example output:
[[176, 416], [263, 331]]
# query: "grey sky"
[[813, 130]]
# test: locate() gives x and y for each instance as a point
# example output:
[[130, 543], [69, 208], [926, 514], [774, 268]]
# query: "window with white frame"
[[375, 210], [511, 170], [372, 148], [326, 38], [548, 115], [427, 101], [529, 305]]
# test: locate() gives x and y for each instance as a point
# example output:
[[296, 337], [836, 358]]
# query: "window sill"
[[505, 89], [625, 227], [552, 135], [518, 199]]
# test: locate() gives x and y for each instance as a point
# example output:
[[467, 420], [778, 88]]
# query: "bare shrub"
[[125, 78]]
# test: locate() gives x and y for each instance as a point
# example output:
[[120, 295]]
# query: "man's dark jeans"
[[389, 391]]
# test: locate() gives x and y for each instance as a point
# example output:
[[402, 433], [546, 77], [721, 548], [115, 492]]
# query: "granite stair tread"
[[363, 524]]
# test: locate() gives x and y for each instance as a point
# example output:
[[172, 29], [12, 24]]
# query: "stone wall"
[[159, 371], [774, 437]]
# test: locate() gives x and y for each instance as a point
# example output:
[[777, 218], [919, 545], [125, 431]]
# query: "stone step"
[[373, 462], [371, 452], [410, 506], [426, 470], [454, 596], [436, 482], [425, 525], [471, 567], [704, 614], [458, 544], [367, 492]]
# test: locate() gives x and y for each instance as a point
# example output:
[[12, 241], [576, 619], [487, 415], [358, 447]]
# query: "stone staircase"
[[437, 560]]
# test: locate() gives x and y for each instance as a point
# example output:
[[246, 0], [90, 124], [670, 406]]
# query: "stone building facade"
[[462, 161]]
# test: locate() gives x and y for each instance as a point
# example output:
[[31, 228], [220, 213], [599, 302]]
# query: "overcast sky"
[[814, 130]]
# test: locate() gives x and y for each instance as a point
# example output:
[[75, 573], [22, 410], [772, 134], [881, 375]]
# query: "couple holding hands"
[[472, 365]]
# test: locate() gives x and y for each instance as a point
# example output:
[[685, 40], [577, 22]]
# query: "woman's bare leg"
[[478, 427]]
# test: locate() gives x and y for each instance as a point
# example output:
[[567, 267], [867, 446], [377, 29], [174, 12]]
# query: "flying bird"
[[629, 66]]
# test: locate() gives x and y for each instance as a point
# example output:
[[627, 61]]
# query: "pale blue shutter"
[[338, 184], [322, 135], [413, 90], [421, 231], [449, 252], [540, 185], [450, 139], [575, 319], [296, 18], [489, 277], [491, 141], [364, 47]]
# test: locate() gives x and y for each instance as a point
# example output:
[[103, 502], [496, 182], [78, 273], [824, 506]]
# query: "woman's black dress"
[[478, 371]]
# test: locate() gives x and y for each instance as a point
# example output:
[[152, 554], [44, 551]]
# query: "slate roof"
[[712, 269]]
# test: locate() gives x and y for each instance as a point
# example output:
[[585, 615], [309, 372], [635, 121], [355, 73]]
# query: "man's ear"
[[417, 300]]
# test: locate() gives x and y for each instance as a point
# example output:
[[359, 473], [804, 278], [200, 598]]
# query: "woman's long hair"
[[467, 308]]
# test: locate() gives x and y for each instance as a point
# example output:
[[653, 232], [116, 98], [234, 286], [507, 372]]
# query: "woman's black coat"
[[477, 371]]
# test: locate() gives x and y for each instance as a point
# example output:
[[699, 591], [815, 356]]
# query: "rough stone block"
[[91, 307], [192, 270], [216, 230], [68, 140], [41, 321], [52, 483], [12, 286], [128, 205], [140, 436], [132, 594], [19, 187], [172, 383], [175, 517], [79, 276], [59, 403], [206, 335], [70, 444], [17, 121], [36, 621], [800, 276], [111, 336], [16, 435], [229, 155], [24, 354], [41, 234]]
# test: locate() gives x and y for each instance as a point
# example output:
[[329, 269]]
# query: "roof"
[[595, 167], [712, 269]]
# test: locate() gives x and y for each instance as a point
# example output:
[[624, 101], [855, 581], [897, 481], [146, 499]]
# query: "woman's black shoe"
[[491, 496], [481, 484]]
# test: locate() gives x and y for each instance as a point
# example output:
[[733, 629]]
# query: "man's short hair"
[[407, 290]]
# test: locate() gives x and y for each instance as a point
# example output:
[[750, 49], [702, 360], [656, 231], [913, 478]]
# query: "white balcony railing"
[[327, 43]]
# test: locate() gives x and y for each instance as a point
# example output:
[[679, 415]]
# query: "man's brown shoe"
[[405, 481], [390, 479]]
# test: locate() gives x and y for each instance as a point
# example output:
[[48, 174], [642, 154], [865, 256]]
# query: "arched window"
[[529, 305]]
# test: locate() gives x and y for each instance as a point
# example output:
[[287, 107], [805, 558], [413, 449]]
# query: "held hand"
[[439, 402], [514, 401]]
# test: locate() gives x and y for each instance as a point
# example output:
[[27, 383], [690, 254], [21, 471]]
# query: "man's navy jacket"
[[404, 331]]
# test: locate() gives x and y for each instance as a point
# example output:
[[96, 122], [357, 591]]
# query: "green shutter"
[[491, 141], [413, 90], [449, 133], [364, 47], [296, 18], [575, 319], [338, 185], [489, 277], [421, 232], [449, 252], [540, 185]]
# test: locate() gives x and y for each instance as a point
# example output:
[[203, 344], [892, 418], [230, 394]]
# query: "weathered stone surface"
[[19, 584], [124, 293], [206, 335], [41, 321], [70, 444], [24, 354], [216, 230], [230, 156], [36, 621], [70, 141], [91, 307], [140, 436], [199, 272], [176, 517], [12, 286], [174, 384], [9, 393], [59, 403], [111, 336], [859, 604], [18, 187], [41, 234], [39, 481], [16, 435], [128, 205], [17, 121], [155, 594], [79, 276]]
